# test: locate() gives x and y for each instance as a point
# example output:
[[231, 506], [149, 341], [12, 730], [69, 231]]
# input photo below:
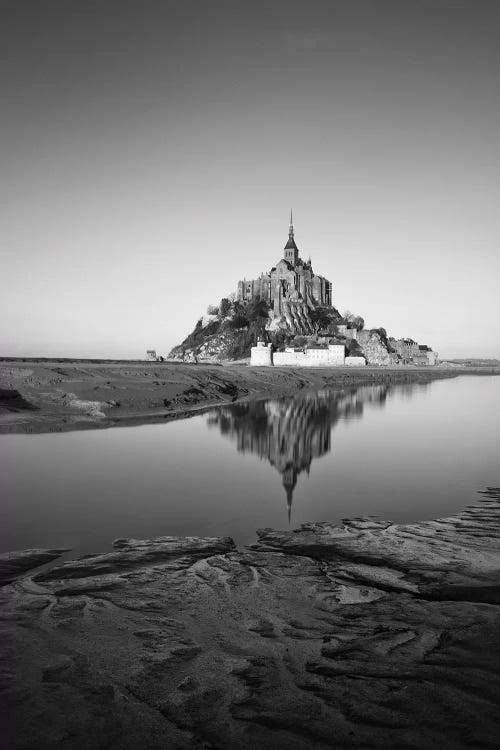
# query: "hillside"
[[229, 330]]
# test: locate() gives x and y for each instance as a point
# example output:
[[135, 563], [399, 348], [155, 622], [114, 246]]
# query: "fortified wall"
[[262, 355]]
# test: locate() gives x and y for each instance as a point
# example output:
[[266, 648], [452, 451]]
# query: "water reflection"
[[291, 432]]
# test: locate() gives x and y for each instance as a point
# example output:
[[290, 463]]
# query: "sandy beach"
[[55, 396]]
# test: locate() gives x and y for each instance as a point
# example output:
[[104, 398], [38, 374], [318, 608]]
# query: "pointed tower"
[[291, 250]]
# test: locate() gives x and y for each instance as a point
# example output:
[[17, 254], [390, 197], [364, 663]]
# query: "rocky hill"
[[288, 306], [229, 330]]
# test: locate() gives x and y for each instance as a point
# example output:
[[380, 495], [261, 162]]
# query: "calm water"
[[404, 453]]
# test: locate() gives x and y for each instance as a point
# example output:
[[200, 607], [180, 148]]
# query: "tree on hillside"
[[256, 309], [324, 317], [239, 320], [281, 340], [383, 335], [224, 307], [356, 321], [300, 341]]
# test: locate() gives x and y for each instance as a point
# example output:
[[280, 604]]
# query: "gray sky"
[[151, 152]]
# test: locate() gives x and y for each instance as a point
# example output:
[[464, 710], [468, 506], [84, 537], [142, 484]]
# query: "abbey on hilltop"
[[287, 317], [291, 288]]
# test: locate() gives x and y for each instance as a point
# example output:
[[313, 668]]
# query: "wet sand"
[[55, 396]]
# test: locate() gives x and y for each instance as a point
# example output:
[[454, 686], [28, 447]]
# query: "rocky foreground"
[[361, 635], [43, 396]]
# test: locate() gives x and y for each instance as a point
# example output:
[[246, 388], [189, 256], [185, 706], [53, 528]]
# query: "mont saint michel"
[[250, 483], [291, 310]]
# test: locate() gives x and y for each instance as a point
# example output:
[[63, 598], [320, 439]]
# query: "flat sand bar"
[[61, 395]]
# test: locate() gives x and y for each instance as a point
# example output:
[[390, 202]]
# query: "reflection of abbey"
[[291, 432], [291, 285]]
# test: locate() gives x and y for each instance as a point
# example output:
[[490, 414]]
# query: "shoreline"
[[40, 396]]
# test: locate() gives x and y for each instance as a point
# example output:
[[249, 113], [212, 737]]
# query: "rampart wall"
[[261, 355]]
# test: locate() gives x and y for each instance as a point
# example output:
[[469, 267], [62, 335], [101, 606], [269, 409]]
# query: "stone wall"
[[349, 333], [355, 361], [426, 358], [263, 356], [406, 348], [331, 357]]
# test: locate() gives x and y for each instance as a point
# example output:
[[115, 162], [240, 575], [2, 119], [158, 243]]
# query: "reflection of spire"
[[291, 432], [289, 481]]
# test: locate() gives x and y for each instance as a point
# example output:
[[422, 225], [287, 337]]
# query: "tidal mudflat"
[[364, 634], [45, 396]]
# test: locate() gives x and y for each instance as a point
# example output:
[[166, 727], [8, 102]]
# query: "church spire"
[[291, 249]]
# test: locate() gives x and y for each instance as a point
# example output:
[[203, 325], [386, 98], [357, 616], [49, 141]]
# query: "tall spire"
[[291, 249]]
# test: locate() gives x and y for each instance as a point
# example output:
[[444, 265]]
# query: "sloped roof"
[[281, 261], [290, 245]]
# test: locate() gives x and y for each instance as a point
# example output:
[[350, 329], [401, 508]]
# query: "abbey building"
[[291, 286]]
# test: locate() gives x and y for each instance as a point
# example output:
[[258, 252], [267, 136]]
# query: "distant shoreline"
[[59, 395]]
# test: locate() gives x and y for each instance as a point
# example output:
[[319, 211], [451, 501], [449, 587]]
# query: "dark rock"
[[362, 635], [11, 400], [13, 564]]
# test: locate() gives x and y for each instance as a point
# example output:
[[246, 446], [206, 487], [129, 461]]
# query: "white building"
[[262, 355]]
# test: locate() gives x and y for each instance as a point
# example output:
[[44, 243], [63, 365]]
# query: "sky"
[[151, 151]]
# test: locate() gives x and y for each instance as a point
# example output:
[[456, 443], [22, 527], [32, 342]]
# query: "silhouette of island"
[[290, 432]]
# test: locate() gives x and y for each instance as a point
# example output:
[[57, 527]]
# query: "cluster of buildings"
[[262, 355], [411, 353], [292, 290]]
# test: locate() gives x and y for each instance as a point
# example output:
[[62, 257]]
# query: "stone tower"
[[291, 250]]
